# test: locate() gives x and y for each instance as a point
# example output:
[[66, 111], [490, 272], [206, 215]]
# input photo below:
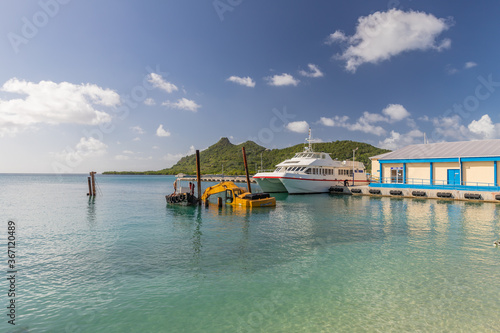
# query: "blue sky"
[[136, 85]]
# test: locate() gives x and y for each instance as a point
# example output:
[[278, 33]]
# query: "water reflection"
[[445, 222], [91, 214], [196, 238]]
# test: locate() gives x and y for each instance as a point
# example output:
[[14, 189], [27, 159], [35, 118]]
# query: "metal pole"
[[261, 167], [246, 169], [198, 175]]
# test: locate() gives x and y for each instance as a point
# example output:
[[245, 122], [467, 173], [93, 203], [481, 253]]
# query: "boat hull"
[[270, 184], [302, 185]]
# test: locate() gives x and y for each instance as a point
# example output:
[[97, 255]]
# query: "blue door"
[[453, 177]]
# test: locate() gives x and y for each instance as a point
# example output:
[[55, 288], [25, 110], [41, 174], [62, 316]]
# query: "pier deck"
[[398, 192], [219, 178]]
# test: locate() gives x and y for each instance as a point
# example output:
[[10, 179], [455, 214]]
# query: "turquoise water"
[[316, 263]]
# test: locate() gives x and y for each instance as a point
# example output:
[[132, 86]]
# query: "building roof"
[[482, 148]]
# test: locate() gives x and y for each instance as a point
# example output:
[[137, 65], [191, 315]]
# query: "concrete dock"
[[441, 194]]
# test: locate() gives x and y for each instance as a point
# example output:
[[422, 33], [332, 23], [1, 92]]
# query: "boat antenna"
[[310, 141]]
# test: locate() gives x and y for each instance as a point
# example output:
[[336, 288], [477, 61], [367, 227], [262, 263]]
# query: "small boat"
[[230, 194], [183, 195]]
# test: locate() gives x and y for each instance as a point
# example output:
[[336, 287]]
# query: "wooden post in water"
[[246, 169], [93, 183], [198, 175], [90, 187]]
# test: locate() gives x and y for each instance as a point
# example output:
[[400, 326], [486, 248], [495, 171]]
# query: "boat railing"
[[265, 170]]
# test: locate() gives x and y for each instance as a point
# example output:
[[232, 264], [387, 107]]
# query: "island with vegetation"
[[225, 157]]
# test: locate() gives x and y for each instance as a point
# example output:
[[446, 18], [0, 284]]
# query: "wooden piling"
[[198, 175], [90, 187], [246, 169], [219, 202], [93, 183]]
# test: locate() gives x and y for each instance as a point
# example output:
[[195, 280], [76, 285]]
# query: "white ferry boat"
[[311, 172]]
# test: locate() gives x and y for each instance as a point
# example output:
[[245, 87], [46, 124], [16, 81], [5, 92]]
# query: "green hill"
[[227, 156]]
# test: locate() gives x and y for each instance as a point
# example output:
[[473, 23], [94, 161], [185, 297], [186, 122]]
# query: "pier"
[[216, 178], [422, 193]]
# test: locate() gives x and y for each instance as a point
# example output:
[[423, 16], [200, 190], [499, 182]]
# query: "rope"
[[98, 187]]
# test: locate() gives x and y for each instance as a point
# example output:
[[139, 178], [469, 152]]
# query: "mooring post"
[[219, 202], [93, 183], [90, 187], [246, 169], [198, 175]]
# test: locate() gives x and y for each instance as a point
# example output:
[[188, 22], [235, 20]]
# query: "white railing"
[[435, 182]]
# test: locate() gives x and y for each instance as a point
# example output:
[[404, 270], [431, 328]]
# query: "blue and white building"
[[468, 165]]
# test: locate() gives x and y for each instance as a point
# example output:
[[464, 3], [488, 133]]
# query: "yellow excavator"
[[230, 194]]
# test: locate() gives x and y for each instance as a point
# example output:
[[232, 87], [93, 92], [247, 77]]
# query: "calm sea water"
[[127, 262]]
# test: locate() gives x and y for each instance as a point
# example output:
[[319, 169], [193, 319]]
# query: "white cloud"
[[470, 64], [244, 81], [122, 157], [327, 121], [48, 102], [451, 128], [484, 128], [161, 132], [337, 36], [450, 70], [85, 148], [158, 82], [282, 80], [137, 130], [366, 123], [298, 126], [149, 102], [313, 71], [382, 35], [171, 159], [128, 152], [396, 112], [137, 139], [183, 104], [397, 140]]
